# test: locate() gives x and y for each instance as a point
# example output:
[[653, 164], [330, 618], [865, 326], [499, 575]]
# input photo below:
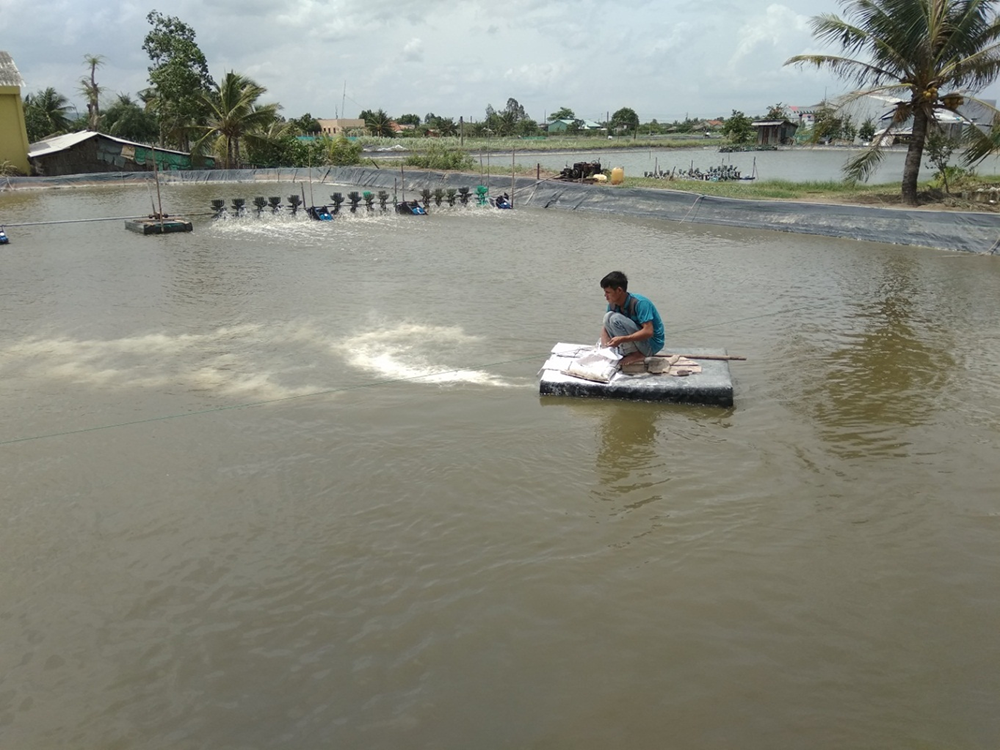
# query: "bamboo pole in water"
[[159, 202], [513, 155]]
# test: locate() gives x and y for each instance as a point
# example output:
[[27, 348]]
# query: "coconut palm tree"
[[379, 123], [46, 113], [933, 55], [445, 126], [90, 89], [235, 116]]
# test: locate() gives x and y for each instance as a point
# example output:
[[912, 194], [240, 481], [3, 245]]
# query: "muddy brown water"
[[281, 483]]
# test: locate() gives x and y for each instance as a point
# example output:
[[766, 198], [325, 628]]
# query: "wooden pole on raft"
[[152, 203], [726, 357], [159, 203]]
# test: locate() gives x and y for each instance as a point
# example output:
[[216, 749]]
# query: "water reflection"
[[887, 375], [628, 438], [628, 458]]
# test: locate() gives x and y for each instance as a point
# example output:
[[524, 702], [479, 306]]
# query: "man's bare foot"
[[631, 358]]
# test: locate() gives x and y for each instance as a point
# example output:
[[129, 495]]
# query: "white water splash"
[[249, 361], [427, 354]]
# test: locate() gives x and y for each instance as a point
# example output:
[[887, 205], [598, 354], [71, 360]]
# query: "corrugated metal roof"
[[62, 142], [9, 76], [58, 143], [587, 124]]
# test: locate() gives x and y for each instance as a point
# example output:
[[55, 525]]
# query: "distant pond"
[[797, 164]]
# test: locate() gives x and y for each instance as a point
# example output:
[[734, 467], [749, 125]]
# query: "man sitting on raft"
[[631, 323]]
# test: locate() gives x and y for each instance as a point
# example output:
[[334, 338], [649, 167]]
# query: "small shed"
[[88, 151], [775, 132]]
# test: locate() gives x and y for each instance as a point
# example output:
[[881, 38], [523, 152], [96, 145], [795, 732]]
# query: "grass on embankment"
[[777, 189], [960, 197]]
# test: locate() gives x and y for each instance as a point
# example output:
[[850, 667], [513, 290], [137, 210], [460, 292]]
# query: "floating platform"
[[167, 225], [713, 386]]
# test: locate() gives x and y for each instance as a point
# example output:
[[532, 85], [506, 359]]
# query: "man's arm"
[[646, 332]]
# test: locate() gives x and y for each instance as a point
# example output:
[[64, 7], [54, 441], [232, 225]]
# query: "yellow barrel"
[[617, 176]]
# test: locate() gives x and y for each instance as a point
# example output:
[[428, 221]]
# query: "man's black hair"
[[615, 280]]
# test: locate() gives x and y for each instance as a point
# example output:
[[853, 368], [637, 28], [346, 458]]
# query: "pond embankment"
[[964, 231]]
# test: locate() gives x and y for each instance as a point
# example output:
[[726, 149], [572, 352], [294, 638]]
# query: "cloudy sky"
[[666, 59]]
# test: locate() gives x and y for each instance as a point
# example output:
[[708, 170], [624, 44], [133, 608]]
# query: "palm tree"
[[46, 113], [933, 55], [235, 116], [127, 119], [90, 89], [379, 123], [446, 126]]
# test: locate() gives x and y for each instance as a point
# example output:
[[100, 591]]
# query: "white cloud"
[[771, 30], [413, 51], [663, 58]]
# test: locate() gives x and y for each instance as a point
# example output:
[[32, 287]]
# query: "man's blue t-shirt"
[[640, 310]]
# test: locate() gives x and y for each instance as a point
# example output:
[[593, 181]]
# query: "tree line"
[[829, 124], [185, 108], [929, 57]]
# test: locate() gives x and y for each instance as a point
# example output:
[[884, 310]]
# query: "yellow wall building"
[[13, 136]]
